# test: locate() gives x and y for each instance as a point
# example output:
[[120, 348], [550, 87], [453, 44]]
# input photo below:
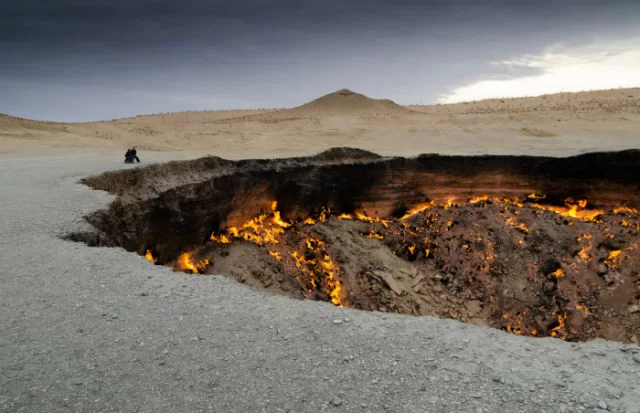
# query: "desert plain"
[[556, 125]]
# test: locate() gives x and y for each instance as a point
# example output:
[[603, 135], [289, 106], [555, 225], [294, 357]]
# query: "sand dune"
[[614, 100], [343, 103], [558, 124], [346, 102]]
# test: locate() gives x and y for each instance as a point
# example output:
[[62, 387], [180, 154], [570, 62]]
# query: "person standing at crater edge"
[[131, 155], [134, 154]]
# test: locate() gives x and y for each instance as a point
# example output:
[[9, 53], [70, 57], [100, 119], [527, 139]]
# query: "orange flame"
[[584, 237], [583, 253], [515, 201], [514, 323], [221, 239], [361, 216], [327, 269], [555, 332], [334, 285], [276, 216], [625, 208], [449, 203], [315, 268], [536, 197], [614, 254], [573, 210], [513, 223], [418, 209], [372, 234], [256, 231], [185, 263], [150, 257], [276, 255], [479, 199]]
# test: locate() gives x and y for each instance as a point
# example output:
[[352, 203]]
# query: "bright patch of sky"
[[597, 66]]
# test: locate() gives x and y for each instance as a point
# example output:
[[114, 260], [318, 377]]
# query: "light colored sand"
[[559, 124]]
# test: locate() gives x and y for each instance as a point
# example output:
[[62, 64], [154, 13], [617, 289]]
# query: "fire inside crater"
[[534, 246]]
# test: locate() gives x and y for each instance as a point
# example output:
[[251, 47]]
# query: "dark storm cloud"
[[143, 56], [49, 20], [258, 9]]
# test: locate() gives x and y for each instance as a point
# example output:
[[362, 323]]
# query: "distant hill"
[[345, 101]]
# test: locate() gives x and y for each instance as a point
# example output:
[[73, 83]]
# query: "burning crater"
[[534, 246]]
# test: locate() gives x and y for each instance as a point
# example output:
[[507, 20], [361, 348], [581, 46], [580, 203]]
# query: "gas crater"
[[536, 246]]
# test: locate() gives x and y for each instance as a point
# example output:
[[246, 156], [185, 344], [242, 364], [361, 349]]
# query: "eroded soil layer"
[[535, 246]]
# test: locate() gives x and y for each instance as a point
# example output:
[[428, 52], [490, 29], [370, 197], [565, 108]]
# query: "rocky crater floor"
[[536, 246]]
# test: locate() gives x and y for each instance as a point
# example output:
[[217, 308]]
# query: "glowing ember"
[[513, 223], [559, 273], [513, 323], [372, 220], [479, 199], [614, 254], [536, 197], [582, 308], [449, 203], [276, 255], [513, 201], [556, 331], [583, 253], [372, 234], [584, 237]]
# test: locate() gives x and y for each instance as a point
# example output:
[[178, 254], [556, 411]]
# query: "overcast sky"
[[76, 60]]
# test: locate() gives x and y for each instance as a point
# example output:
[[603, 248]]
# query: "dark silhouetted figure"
[[131, 155]]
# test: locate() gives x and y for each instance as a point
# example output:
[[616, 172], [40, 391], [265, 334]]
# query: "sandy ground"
[[555, 125], [95, 329]]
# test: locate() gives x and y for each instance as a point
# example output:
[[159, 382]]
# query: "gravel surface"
[[102, 330]]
